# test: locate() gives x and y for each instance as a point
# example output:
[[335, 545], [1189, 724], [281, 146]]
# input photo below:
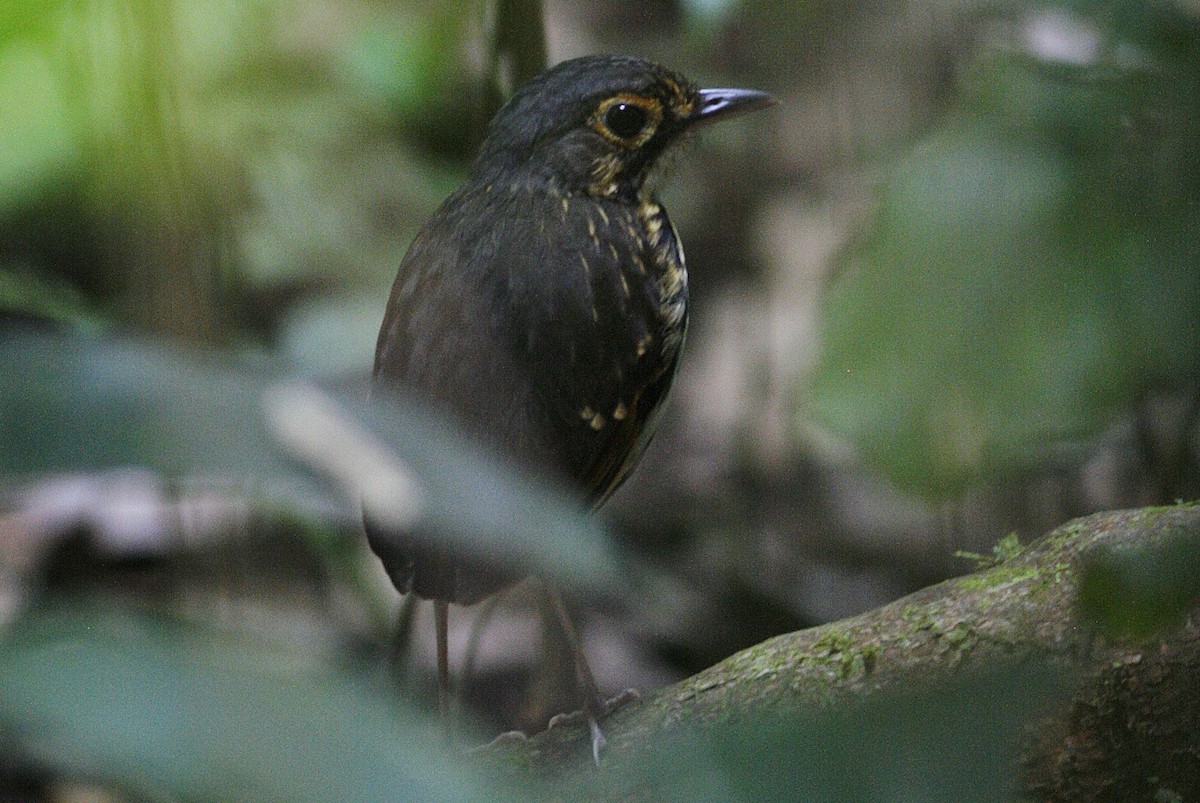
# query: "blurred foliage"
[[1034, 266], [160, 710], [165, 710], [85, 404], [220, 156], [1140, 593], [29, 295], [248, 174]]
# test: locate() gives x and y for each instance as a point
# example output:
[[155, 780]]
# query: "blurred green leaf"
[[82, 404], [1142, 592], [947, 347], [333, 336], [40, 297], [406, 64], [1031, 274], [163, 710], [27, 19], [36, 141]]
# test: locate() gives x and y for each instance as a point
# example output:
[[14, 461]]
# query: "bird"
[[543, 306]]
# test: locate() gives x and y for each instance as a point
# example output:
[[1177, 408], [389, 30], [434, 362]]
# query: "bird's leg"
[[471, 655], [594, 706], [441, 615], [402, 637]]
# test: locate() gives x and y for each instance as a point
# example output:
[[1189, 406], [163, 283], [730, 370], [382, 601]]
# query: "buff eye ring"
[[628, 120]]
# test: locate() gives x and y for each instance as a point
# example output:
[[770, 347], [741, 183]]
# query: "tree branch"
[[1126, 731]]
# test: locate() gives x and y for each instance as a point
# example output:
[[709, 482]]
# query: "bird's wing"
[[540, 332], [587, 298]]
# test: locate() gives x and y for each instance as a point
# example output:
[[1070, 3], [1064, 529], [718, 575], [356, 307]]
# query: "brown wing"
[[609, 372], [441, 344], [629, 439]]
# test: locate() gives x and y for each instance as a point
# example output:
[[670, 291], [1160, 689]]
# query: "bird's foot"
[[592, 714], [506, 739], [605, 708]]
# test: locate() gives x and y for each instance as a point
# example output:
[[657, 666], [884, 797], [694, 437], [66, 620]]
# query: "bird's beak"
[[719, 104]]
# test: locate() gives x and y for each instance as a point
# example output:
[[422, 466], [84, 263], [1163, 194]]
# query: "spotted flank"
[[672, 274]]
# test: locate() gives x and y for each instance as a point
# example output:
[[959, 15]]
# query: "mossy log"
[[1126, 728]]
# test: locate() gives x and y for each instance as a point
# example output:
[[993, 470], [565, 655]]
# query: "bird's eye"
[[628, 119], [625, 119]]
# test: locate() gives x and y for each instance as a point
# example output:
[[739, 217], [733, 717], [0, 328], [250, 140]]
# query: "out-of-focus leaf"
[[27, 19], [955, 741], [335, 336], [82, 404], [163, 710], [941, 342], [405, 63], [1032, 272], [1139, 593], [28, 293], [36, 142], [79, 404]]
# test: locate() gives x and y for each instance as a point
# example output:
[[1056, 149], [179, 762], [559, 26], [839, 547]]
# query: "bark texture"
[[1126, 728]]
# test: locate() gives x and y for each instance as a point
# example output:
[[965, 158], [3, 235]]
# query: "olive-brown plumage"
[[544, 305]]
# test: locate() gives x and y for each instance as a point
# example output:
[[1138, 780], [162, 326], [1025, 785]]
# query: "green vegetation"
[[1032, 269]]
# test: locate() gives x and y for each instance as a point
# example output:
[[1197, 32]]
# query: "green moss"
[[832, 642], [1008, 548], [1068, 531], [1002, 575], [961, 638], [763, 661], [870, 657], [1051, 577], [844, 654]]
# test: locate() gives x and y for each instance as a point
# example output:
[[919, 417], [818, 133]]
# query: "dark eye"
[[625, 119]]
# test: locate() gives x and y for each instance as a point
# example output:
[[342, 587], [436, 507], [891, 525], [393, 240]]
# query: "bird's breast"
[[620, 267]]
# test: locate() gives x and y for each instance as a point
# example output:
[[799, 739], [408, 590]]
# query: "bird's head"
[[599, 124]]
